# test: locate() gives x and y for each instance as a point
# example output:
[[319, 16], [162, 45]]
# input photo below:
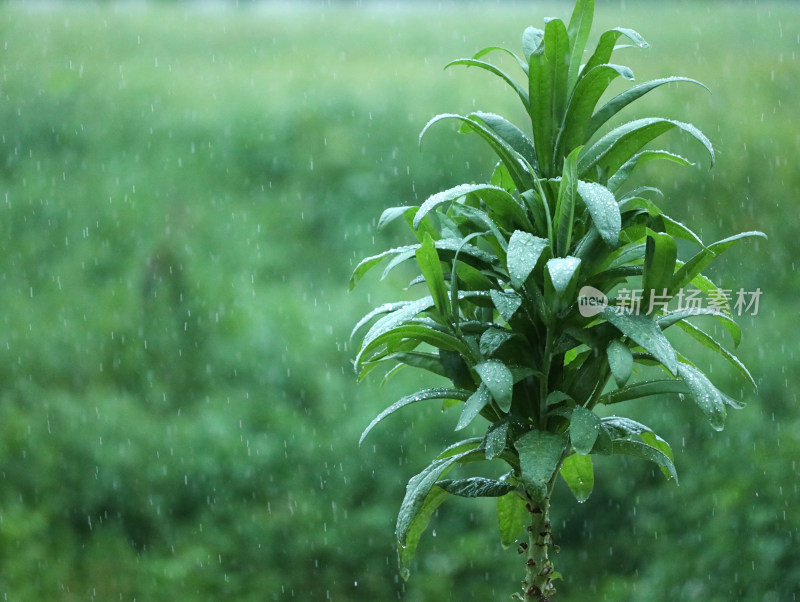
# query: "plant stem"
[[538, 566]]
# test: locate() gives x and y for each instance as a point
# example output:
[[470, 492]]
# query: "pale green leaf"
[[476, 487], [620, 360], [511, 518], [705, 395], [604, 210], [524, 251]]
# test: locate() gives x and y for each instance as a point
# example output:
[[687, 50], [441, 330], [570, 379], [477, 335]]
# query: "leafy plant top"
[[524, 311]]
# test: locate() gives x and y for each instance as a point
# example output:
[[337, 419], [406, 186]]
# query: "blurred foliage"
[[178, 414]]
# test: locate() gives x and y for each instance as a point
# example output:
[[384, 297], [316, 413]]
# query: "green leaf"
[[496, 438], [499, 380], [583, 428], [590, 88], [368, 263], [417, 334], [492, 339], [620, 360], [659, 267], [539, 455], [476, 402], [606, 44], [523, 95], [645, 331], [614, 149], [506, 302], [476, 487], [578, 474], [711, 343], [698, 263], [511, 518], [624, 172], [524, 251], [723, 318], [604, 210], [514, 162], [392, 213], [561, 277], [423, 395], [619, 102], [420, 502], [580, 24], [565, 205], [412, 532], [382, 309], [646, 452], [428, 260], [510, 133], [547, 90], [705, 394], [532, 38], [393, 320], [645, 388]]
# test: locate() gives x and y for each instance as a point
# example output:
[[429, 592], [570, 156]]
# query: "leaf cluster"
[[523, 279]]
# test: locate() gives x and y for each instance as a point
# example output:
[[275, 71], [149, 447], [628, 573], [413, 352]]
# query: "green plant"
[[528, 312]]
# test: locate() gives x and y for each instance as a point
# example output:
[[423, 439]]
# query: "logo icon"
[[591, 301]]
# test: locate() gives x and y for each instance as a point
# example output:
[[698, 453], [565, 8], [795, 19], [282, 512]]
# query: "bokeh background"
[[184, 190]]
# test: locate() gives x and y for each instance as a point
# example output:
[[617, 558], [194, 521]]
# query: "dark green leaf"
[[476, 487], [583, 428], [711, 343], [645, 331], [578, 474], [496, 438], [539, 455], [499, 380], [514, 136], [659, 266], [506, 302], [425, 394], [620, 360], [477, 401], [624, 172], [645, 452], [645, 389], [705, 395]]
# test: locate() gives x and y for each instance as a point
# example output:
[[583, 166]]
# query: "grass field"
[[184, 190]]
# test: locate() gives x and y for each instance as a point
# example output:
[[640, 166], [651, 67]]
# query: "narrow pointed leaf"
[[607, 44], [523, 95], [625, 171], [705, 394], [711, 343], [368, 263], [548, 72], [475, 487], [392, 213], [604, 210], [645, 331], [428, 260], [514, 162], [511, 134], [578, 474], [666, 386], [476, 402], [659, 266], [580, 24], [619, 102], [722, 317], [645, 452], [614, 149], [698, 263], [496, 438], [565, 205], [583, 101], [424, 395]]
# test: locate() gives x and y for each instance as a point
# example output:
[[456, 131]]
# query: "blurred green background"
[[184, 190]]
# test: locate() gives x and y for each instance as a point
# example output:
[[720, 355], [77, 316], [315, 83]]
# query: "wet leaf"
[[578, 474]]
